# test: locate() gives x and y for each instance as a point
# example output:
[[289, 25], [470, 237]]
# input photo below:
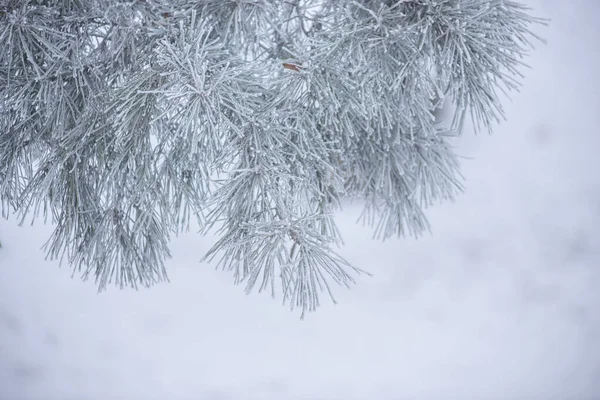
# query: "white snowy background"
[[501, 302]]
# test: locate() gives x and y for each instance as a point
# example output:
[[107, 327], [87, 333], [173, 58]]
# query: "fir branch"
[[123, 121]]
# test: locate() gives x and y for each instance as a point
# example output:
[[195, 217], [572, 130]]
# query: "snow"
[[500, 302]]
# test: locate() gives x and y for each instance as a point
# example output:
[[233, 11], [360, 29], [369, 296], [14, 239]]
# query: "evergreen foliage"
[[121, 121]]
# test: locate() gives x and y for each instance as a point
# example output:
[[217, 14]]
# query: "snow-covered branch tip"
[[123, 123]]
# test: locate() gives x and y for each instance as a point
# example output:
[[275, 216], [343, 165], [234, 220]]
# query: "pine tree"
[[122, 121]]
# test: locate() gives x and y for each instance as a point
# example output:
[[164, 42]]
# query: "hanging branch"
[[120, 122]]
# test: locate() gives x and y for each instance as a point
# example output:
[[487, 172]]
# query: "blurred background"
[[500, 302]]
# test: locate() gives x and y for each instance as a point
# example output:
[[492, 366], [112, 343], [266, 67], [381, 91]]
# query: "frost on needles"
[[121, 121]]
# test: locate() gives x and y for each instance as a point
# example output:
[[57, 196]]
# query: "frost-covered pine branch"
[[122, 121]]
